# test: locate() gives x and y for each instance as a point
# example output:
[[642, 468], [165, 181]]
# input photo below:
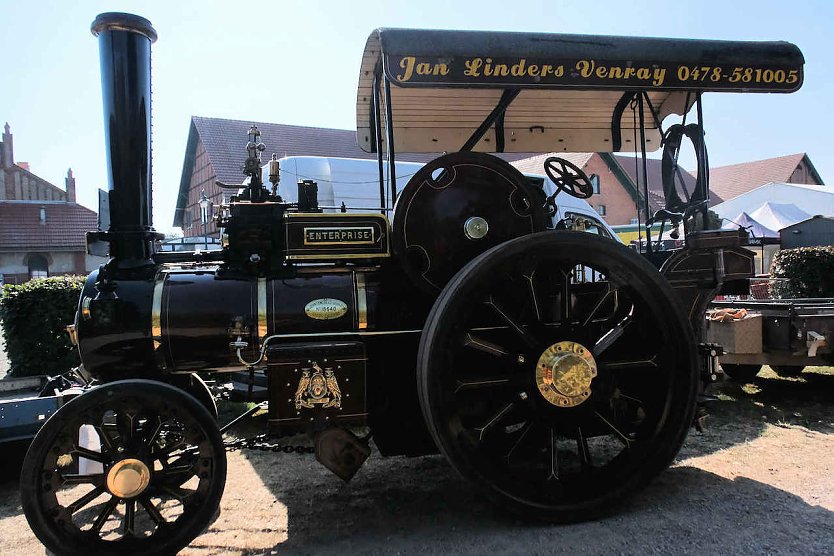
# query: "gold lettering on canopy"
[[590, 73], [410, 65]]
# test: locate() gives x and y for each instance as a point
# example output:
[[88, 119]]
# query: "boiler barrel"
[[197, 314]]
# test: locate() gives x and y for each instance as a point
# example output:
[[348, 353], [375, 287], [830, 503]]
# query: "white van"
[[355, 182]]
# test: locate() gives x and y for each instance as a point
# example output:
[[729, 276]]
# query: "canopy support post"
[[642, 118], [704, 164], [616, 121], [494, 117], [389, 138], [376, 129]]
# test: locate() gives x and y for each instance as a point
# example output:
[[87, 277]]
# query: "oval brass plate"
[[325, 308]]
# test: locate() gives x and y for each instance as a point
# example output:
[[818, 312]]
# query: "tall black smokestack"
[[125, 50]]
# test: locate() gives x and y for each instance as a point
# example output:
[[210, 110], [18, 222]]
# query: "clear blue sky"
[[296, 62]]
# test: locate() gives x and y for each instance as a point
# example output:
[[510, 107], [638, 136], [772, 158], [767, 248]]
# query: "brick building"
[[736, 179], [216, 150], [42, 228]]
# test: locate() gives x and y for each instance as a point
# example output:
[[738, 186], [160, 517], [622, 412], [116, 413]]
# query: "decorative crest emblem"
[[318, 387]]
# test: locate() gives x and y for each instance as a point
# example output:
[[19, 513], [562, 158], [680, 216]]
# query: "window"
[[601, 210], [38, 266], [595, 183], [634, 221]]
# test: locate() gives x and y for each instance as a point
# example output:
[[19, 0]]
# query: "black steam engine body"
[[554, 367]]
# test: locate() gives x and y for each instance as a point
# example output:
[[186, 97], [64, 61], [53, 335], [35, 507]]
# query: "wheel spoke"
[[617, 432], [153, 436], [523, 334], [476, 342], [91, 455], [533, 297], [582, 448], [178, 493], [554, 457], [130, 517], [632, 398], [609, 338], [104, 514], [86, 499], [605, 294], [494, 421], [565, 300], [176, 475], [518, 442], [168, 449], [75, 479], [152, 510], [124, 424], [104, 438], [632, 364], [480, 383]]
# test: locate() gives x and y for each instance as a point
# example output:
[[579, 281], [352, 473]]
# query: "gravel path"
[[758, 480]]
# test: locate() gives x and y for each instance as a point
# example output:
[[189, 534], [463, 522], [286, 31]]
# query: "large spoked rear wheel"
[[558, 371], [131, 467]]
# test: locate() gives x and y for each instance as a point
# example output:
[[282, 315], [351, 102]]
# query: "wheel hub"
[[128, 478], [564, 373]]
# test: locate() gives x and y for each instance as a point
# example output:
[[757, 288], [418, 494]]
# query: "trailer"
[[26, 403], [786, 334]]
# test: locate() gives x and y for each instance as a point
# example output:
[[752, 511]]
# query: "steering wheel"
[[568, 177]]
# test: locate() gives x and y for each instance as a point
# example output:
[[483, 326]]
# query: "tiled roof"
[[225, 142], [733, 180], [654, 172], [535, 165], [64, 230]]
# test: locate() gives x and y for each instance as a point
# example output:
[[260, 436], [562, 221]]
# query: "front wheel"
[[130, 467], [559, 372]]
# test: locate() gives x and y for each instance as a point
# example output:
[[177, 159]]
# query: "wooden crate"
[[738, 336]]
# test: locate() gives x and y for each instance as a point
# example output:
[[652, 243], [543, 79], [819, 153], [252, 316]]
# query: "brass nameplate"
[[363, 235]]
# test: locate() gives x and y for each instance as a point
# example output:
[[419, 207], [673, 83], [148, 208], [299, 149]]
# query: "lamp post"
[[204, 215]]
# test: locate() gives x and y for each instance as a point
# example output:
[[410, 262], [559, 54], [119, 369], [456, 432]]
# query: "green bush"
[[34, 318], [802, 272]]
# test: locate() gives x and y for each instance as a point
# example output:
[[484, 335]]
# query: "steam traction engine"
[[554, 367]]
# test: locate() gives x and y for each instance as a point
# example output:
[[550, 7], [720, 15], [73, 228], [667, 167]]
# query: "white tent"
[[779, 215], [755, 228], [810, 199]]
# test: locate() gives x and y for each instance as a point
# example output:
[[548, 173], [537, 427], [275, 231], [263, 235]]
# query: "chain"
[[260, 443]]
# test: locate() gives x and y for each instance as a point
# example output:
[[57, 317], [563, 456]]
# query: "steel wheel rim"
[[179, 454], [577, 484]]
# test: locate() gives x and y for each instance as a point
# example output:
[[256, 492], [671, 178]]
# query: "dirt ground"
[[758, 480]]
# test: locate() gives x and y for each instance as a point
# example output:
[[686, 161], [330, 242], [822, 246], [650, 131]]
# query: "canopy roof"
[[756, 229], [779, 215], [570, 88]]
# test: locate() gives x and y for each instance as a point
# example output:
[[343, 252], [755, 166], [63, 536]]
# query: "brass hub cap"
[[564, 373], [128, 478]]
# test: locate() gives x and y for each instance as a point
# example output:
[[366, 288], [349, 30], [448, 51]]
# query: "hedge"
[[802, 272], [34, 317]]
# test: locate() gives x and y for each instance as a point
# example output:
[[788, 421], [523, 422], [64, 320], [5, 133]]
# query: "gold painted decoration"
[[325, 309], [318, 387], [564, 373]]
